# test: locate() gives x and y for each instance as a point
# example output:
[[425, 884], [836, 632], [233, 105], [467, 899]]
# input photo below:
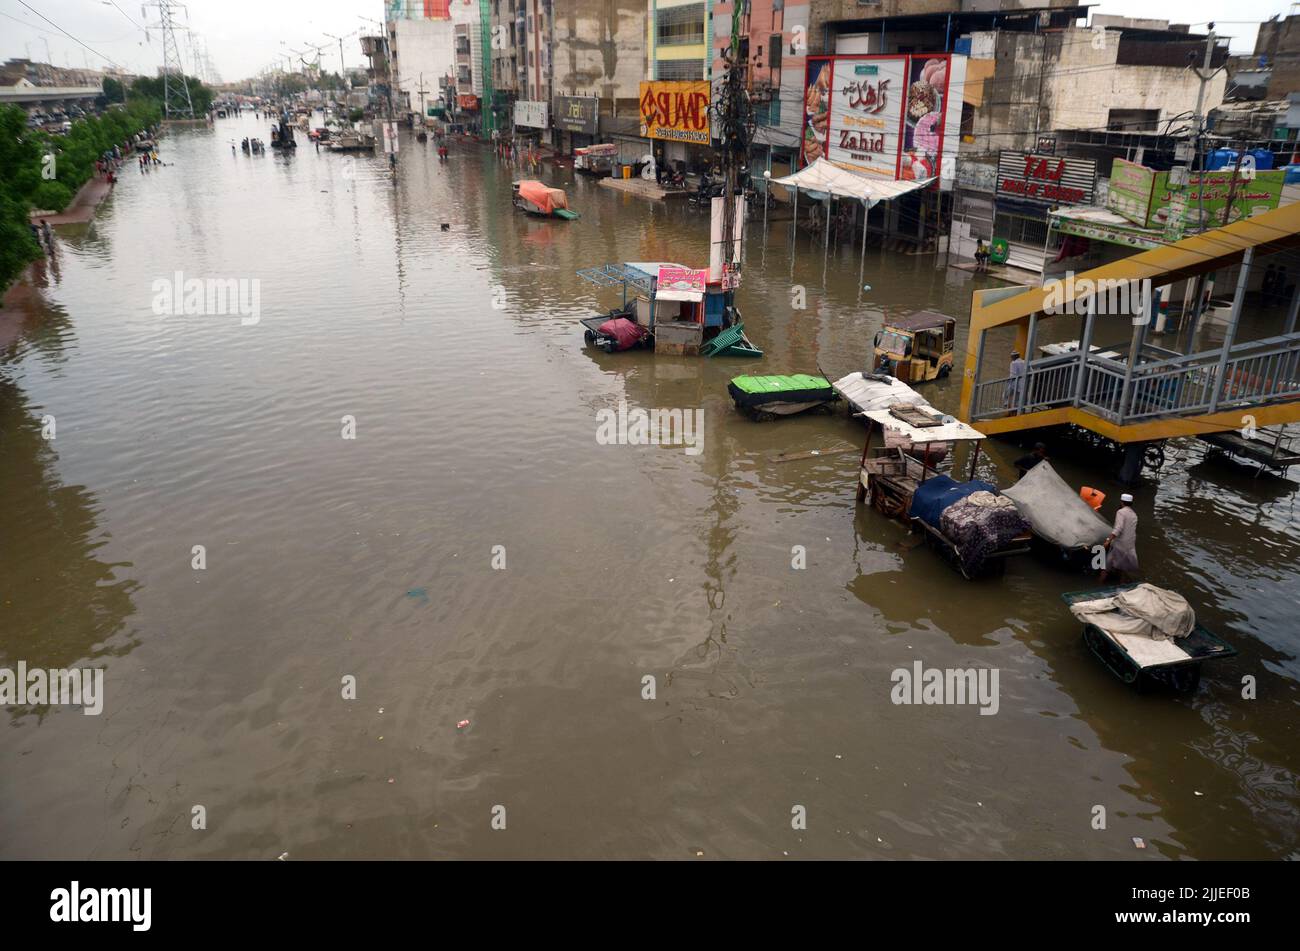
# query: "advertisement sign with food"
[[883, 115], [1206, 195]]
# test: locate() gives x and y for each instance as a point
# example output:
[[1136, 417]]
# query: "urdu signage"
[[1047, 179], [893, 116]]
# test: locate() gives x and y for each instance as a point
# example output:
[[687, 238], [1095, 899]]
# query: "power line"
[[69, 35], [125, 14]]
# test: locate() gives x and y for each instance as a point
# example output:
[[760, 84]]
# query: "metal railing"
[[1261, 371]]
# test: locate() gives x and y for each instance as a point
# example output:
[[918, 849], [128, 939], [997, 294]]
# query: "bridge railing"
[[1253, 373]]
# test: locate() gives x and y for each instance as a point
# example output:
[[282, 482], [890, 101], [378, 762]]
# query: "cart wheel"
[[944, 371], [1185, 678], [608, 346], [764, 417], [588, 336]]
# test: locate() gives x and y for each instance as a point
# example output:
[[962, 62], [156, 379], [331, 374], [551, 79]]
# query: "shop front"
[[1029, 186], [577, 122], [675, 114]]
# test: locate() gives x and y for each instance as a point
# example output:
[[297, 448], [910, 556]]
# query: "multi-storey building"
[[551, 58], [422, 52], [773, 43], [465, 88]]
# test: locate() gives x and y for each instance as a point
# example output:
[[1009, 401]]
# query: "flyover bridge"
[[1136, 391]]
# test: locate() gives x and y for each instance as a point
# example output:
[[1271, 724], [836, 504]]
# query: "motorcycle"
[[709, 189]]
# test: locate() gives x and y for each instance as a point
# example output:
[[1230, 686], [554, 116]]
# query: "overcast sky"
[[244, 36]]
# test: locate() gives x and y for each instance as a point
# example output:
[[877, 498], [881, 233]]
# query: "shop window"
[[679, 69], [1133, 120], [680, 26]]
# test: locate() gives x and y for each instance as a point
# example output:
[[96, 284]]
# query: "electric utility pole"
[[733, 124], [1205, 74]]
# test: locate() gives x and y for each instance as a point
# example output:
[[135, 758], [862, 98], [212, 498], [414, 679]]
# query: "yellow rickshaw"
[[917, 348]]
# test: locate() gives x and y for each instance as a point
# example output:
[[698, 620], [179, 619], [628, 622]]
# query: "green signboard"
[[1130, 191], [1252, 194], [1129, 236]]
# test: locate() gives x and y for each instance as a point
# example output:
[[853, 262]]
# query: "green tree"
[[151, 87], [114, 91], [41, 171]]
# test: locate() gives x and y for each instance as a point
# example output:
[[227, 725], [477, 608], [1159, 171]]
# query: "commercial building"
[[774, 37], [550, 59], [421, 48]]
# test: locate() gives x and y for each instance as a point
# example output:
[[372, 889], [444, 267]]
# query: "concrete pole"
[[1238, 298], [862, 258], [1200, 125]]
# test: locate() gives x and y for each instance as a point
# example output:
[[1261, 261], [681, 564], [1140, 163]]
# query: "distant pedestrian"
[[48, 234], [1015, 381]]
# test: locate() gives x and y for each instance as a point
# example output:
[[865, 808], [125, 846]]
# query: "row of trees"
[[42, 171]]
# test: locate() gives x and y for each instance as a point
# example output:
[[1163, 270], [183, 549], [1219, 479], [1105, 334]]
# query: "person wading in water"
[[1121, 543]]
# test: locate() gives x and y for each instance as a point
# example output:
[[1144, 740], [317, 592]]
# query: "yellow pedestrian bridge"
[[1230, 366]]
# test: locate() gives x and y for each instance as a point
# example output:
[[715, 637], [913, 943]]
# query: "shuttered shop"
[[1028, 185]]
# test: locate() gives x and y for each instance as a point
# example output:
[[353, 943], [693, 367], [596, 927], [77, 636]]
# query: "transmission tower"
[[176, 91]]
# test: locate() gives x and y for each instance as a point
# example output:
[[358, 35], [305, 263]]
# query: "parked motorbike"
[[709, 189]]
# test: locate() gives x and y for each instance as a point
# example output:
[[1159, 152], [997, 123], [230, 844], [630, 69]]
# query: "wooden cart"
[[1175, 664]]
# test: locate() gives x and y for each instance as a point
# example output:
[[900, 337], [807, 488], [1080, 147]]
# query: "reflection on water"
[[457, 354]]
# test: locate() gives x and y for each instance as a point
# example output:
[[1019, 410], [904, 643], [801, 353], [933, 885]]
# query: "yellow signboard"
[[675, 111]]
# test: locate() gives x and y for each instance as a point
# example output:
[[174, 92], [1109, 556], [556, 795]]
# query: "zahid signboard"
[[894, 116]]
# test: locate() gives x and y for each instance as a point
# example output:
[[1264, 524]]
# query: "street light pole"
[[342, 67]]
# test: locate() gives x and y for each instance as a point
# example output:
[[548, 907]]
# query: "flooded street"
[[458, 355]]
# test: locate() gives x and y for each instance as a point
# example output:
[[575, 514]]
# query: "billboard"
[[884, 115], [675, 111], [1046, 179], [577, 113], [532, 115], [1130, 191], [1252, 194]]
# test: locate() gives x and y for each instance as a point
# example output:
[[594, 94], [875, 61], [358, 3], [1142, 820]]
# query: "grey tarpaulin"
[[1055, 511]]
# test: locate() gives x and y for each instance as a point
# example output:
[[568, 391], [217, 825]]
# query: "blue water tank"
[[1263, 159], [1220, 158], [1292, 175]]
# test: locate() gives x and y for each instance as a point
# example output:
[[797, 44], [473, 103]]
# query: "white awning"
[[824, 176]]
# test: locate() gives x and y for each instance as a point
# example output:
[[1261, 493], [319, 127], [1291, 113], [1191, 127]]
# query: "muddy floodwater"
[[475, 554]]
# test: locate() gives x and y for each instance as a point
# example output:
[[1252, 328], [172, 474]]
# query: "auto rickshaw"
[[917, 348]]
